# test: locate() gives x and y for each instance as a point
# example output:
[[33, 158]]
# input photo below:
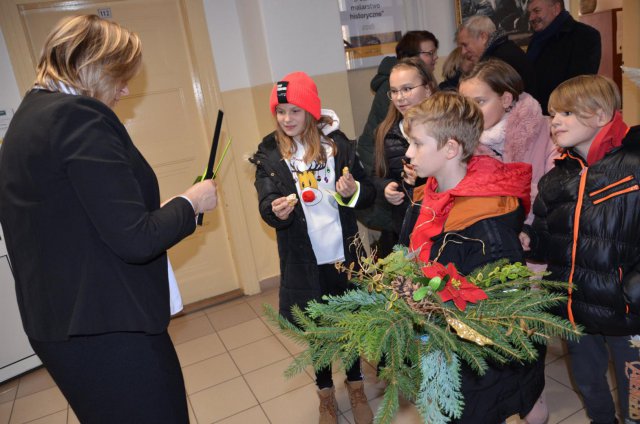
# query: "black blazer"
[[508, 51], [80, 209]]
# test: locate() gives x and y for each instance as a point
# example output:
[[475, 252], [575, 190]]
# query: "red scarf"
[[486, 177], [609, 137], [433, 214]]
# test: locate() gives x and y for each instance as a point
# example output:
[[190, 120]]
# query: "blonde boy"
[[587, 228], [471, 213]]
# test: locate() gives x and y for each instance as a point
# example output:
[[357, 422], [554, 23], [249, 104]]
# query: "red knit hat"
[[298, 89]]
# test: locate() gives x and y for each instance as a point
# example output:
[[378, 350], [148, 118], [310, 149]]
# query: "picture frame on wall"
[[508, 15], [370, 30]]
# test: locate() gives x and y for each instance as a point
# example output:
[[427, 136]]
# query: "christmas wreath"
[[425, 319]]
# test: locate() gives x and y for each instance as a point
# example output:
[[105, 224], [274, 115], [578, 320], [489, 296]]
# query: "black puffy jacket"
[[395, 147], [606, 263], [299, 281], [378, 216]]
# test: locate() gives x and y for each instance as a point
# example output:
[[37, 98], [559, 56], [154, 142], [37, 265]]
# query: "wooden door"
[[166, 114]]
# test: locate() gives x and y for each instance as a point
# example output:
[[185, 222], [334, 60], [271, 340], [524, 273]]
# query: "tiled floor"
[[233, 363]]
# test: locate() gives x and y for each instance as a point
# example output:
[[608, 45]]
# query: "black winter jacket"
[[517, 386], [606, 299], [299, 282], [574, 50], [379, 107], [506, 50], [377, 216], [499, 234], [395, 147]]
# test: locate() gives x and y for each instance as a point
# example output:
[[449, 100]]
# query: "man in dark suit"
[[480, 40], [560, 48]]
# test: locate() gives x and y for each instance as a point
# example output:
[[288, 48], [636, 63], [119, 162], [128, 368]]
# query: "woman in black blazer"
[[87, 236]]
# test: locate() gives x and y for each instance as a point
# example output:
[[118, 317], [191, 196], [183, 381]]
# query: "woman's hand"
[[525, 241], [203, 196], [392, 194], [346, 185], [282, 208]]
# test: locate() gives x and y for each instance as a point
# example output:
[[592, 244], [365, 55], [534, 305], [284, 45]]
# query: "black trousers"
[[118, 377], [589, 364], [334, 282]]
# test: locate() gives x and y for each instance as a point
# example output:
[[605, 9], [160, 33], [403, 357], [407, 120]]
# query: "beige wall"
[[630, 52], [361, 96], [631, 58]]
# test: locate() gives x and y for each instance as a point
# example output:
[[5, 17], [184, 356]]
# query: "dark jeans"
[[330, 279], [589, 365], [118, 377]]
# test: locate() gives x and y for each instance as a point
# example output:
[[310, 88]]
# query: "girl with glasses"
[[410, 83], [412, 44]]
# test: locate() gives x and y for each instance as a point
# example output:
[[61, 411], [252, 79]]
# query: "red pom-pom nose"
[[308, 196]]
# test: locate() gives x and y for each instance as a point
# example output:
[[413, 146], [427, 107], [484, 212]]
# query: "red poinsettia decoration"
[[457, 288], [434, 269]]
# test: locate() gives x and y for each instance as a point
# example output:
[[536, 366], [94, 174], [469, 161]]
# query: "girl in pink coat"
[[514, 128]]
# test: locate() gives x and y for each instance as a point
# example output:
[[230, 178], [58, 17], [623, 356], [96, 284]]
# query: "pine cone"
[[405, 288]]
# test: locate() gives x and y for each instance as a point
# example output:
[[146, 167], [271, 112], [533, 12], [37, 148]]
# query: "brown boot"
[[328, 406], [360, 408]]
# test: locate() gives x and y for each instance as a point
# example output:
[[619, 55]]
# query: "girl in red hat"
[[309, 180]]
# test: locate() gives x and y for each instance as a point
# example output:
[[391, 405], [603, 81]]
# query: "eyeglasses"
[[429, 53], [405, 91]]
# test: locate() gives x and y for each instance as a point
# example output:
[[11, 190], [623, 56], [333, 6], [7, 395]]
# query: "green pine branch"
[[423, 353]]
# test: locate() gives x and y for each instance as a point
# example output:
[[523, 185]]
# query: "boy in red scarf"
[[587, 228], [471, 214]]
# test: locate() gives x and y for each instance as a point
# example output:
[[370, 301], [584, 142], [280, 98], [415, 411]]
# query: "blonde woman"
[[87, 237], [454, 67]]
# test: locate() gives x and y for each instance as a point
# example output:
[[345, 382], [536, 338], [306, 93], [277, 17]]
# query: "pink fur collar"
[[524, 124]]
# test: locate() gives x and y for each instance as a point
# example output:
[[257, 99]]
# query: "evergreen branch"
[[299, 364], [301, 319], [286, 327], [395, 318], [325, 354], [470, 354], [389, 405], [439, 397], [349, 301]]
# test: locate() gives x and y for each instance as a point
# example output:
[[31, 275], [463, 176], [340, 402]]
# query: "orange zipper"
[[624, 180], [576, 227], [617, 193]]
